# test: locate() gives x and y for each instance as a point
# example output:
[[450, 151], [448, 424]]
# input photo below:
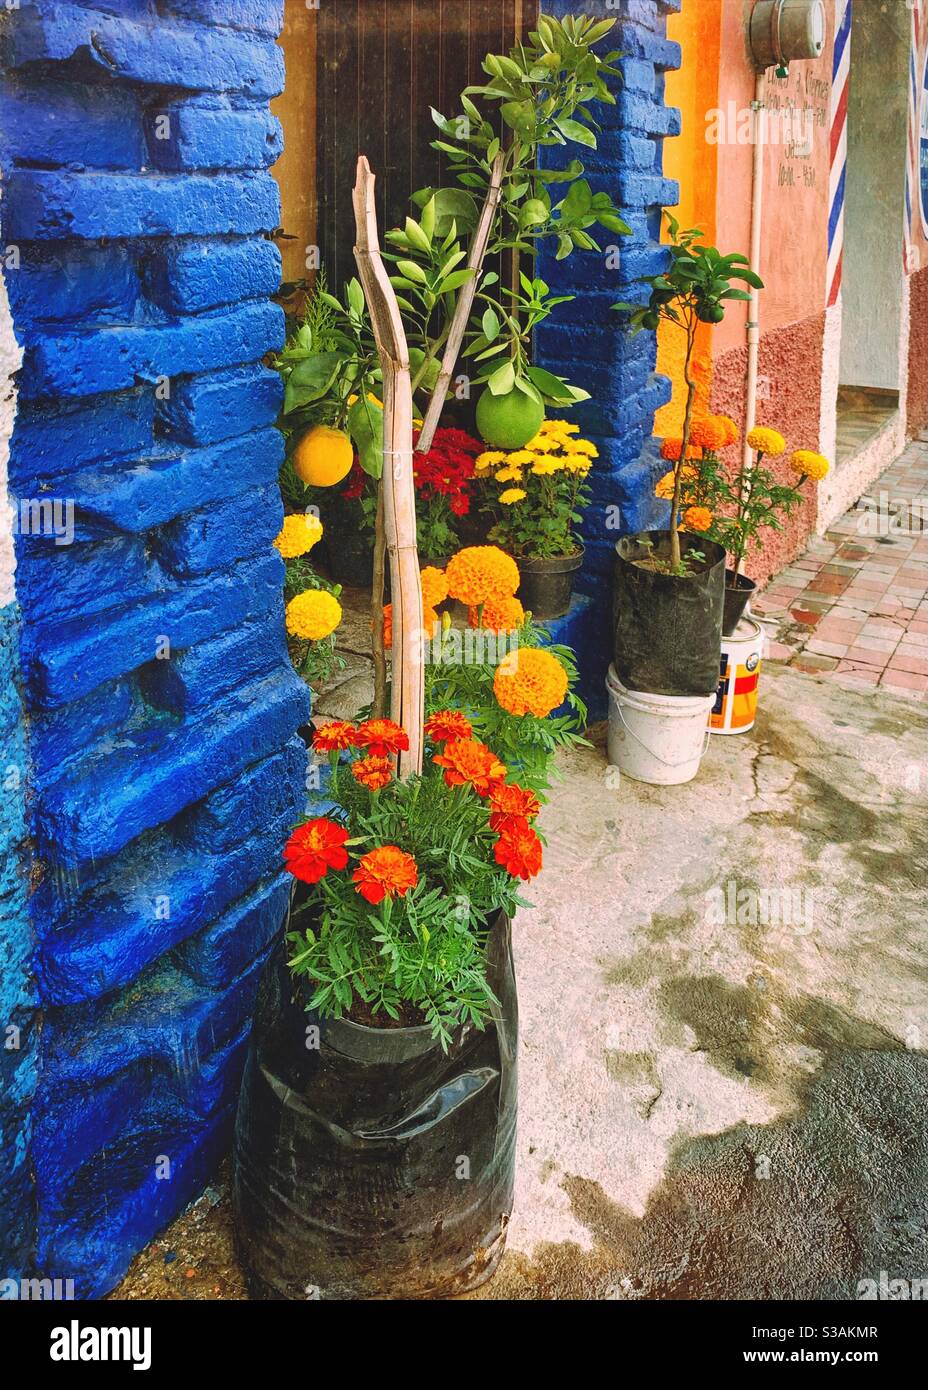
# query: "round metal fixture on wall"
[[785, 31]]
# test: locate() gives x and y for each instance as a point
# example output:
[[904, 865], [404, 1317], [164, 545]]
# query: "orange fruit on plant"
[[323, 456]]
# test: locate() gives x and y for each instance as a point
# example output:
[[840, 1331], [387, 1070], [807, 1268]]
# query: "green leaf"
[[311, 379], [502, 380], [573, 130], [412, 271], [455, 280], [428, 219], [491, 325], [417, 235], [365, 425]]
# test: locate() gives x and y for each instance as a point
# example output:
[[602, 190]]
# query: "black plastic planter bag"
[[370, 1164], [667, 630]]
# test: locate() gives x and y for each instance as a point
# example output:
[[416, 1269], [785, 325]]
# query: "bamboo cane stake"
[[379, 707], [464, 304], [408, 683]]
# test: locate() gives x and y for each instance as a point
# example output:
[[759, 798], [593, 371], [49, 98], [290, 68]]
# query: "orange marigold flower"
[[314, 848], [731, 429], [381, 737], [709, 433], [530, 681], [499, 615], [512, 806], [518, 851], [387, 626], [334, 736], [698, 518], [447, 724], [671, 449], [387, 872], [373, 773], [663, 488], [468, 762], [481, 572], [434, 586]]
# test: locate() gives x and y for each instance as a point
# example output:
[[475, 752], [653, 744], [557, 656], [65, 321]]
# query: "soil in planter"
[[363, 1014], [349, 1143]]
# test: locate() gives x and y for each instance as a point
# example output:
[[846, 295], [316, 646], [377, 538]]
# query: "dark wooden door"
[[380, 65]]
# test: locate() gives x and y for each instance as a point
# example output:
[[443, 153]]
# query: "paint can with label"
[[735, 705]]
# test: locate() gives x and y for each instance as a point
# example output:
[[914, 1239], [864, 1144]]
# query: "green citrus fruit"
[[510, 421]]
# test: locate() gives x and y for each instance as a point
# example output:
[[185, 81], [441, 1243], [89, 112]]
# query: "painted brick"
[[216, 537], [192, 275], [55, 438], [265, 16], [100, 576], [273, 789], [194, 135], [46, 203], [144, 783], [62, 736], [199, 678], [59, 282], [152, 491], [206, 409], [240, 935], [112, 359], [86, 124], [164, 55], [68, 659]]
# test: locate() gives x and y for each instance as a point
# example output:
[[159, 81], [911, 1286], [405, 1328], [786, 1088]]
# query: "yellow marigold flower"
[[312, 615], [434, 586], [809, 465], [489, 460], [663, 488], [583, 446], [697, 518], [517, 459], [544, 466], [530, 681], [298, 535], [512, 494], [541, 444], [560, 427], [767, 441], [481, 572], [509, 475]]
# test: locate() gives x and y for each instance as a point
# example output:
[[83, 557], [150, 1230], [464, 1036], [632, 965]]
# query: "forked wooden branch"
[[465, 302], [408, 682]]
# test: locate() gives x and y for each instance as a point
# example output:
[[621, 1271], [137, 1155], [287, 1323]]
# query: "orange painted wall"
[[693, 88], [714, 89]]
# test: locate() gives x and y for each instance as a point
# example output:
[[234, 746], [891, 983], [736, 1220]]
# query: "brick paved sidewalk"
[[853, 607]]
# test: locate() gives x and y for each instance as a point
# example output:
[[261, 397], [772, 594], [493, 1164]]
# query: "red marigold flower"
[[512, 806], [447, 724], [381, 737], [373, 773], [385, 872], [334, 736], [467, 761], [314, 848], [518, 851]]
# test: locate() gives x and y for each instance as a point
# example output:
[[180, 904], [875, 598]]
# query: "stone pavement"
[[854, 607]]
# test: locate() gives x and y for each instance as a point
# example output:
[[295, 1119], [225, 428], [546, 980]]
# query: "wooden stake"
[[379, 707], [408, 682], [465, 302]]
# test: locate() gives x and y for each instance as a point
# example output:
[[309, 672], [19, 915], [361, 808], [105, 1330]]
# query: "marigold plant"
[[535, 495]]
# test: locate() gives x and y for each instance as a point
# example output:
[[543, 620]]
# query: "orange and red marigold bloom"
[[382, 737], [314, 848], [468, 762], [511, 806], [447, 724], [372, 772], [518, 850], [386, 872], [335, 736]]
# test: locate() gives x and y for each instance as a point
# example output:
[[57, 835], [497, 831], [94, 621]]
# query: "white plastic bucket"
[[656, 738]]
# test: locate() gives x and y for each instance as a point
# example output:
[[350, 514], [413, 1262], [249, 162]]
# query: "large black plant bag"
[[370, 1164]]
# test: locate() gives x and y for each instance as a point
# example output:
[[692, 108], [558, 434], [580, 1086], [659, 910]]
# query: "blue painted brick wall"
[[160, 706], [585, 340]]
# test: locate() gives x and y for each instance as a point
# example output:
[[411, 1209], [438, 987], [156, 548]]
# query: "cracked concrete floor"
[[723, 1075]]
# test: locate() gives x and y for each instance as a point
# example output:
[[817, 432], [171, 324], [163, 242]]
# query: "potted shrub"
[[733, 505], [669, 585], [535, 497]]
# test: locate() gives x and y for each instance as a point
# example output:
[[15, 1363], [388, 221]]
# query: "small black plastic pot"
[[738, 593], [667, 629], [547, 585], [368, 1162]]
